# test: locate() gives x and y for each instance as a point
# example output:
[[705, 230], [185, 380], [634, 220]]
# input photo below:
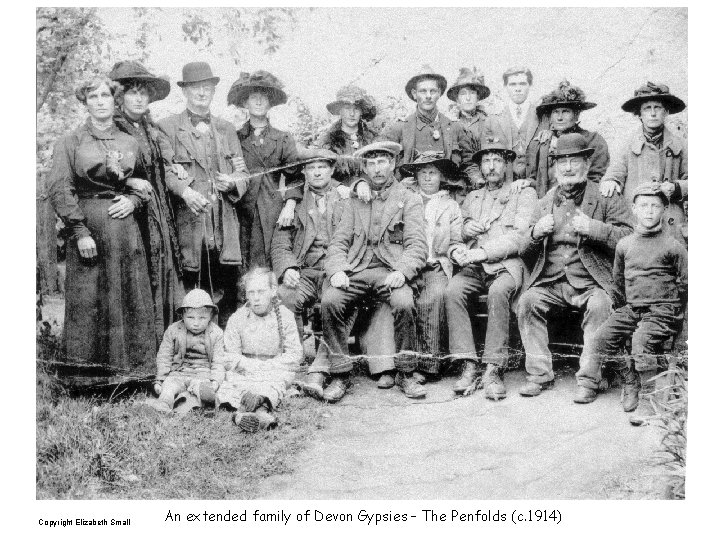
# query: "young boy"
[[189, 367], [261, 353], [651, 273]]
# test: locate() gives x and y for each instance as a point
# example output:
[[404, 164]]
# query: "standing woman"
[[109, 316], [156, 220], [355, 109]]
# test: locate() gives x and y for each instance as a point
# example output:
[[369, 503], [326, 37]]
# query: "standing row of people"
[[160, 209]]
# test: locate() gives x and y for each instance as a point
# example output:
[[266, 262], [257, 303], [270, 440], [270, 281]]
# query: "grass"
[[95, 447]]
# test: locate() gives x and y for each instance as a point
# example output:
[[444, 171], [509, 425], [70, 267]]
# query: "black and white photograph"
[[333, 253]]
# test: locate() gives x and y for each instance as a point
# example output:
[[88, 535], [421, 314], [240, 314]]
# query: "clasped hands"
[[340, 280]]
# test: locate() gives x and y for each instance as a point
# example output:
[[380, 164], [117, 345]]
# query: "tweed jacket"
[[511, 216], [171, 358], [290, 244], [610, 220], [402, 245], [185, 141], [637, 162], [538, 158], [403, 132], [446, 233]]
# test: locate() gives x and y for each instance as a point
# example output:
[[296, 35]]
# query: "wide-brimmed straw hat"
[[469, 79], [496, 147], [353, 95], [565, 95], [426, 72], [654, 92], [446, 166], [197, 72], [260, 80], [128, 71], [572, 144]]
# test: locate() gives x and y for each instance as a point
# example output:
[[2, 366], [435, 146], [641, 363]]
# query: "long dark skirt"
[[167, 291], [109, 315]]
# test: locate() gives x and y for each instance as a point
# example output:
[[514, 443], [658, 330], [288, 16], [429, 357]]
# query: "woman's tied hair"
[[134, 84], [93, 83], [263, 271]]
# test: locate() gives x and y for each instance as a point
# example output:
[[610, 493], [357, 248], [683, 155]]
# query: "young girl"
[[261, 353]]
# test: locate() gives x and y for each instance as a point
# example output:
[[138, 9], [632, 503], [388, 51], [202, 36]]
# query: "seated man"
[[651, 273], [298, 251], [377, 249], [496, 217], [574, 243]]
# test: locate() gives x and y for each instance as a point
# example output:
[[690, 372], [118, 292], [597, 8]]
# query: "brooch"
[[436, 135], [202, 127], [355, 144], [401, 204]]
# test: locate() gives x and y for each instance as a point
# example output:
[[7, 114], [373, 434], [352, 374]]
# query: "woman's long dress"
[[109, 332], [157, 223]]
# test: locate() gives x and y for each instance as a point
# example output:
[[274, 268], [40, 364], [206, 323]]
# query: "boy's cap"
[[197, 298], [653, 189]]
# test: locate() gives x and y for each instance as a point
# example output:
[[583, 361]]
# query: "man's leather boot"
[[336, 389], [630, 390], [467, 378], [645, 410], [493, 383], [313, 385], [409, 385]]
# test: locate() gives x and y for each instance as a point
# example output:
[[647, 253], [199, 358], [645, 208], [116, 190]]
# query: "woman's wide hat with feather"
[[353, 95], [260, 80], [469, 79], [654, 92], [565, 95], [129, 71]]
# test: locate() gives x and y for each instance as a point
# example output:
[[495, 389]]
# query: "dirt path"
[[379, 445]]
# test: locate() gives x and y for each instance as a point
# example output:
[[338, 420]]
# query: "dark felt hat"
[[654, 92], [572, 144], [495, 146], [469, 79], [129, 71], [197, 72], [426, 72], [260, 80], [446, 166], [353, 95], [565, 95], [650, 188]]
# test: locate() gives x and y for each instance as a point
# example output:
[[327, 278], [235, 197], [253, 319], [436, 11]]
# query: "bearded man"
[[573, 241]]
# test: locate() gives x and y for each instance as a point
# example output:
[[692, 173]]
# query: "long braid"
[[273, 282], [278, 316]]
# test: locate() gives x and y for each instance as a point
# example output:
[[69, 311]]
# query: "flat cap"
[[390, 147], [651, 188]]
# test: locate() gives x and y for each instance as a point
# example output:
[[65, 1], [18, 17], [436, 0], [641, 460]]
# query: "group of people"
[[245, 230]]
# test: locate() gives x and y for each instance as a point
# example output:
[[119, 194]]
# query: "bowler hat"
[[565, 95], [496, 147], [128, 71], [446, 166], [353, 95], [197, 72], [572, 144], [654, 92], [260, 80], [650, 188], [426, 72], [197, 298], [389, 147], [469, 79]]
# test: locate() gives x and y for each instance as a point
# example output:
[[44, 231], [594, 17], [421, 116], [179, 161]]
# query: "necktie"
[[519, 112], [320, 202], [195, 119]]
